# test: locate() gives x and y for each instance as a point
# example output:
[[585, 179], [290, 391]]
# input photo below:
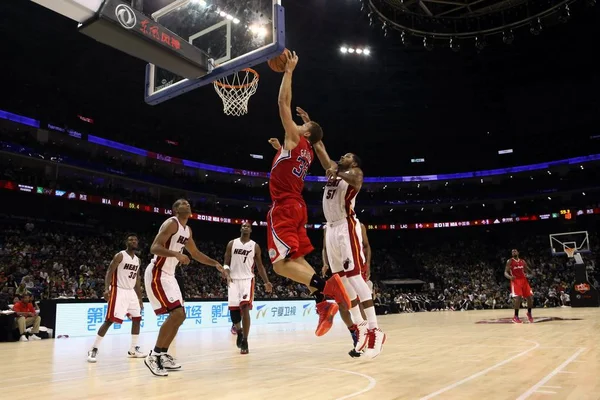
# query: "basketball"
[[277, 64]]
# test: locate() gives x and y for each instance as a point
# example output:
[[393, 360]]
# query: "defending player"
[[365, 273], [123, 292], [241, 256], [344, 247], [161, 286], [287, 238], [519, 285]]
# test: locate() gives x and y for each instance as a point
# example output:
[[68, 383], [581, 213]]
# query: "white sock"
[[97, 342], [371, 317], [134, 340], [356, 315]]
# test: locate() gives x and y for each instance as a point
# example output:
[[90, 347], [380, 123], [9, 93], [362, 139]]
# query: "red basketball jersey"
[[517, 268], [289, 170]]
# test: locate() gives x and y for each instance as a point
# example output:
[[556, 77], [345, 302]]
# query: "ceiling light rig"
[[451, 24]]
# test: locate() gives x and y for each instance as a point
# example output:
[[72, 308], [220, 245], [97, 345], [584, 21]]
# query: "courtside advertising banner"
[[84, 319]]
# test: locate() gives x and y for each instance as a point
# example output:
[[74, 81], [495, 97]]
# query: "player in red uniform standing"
[[287, 238], [519, 285]]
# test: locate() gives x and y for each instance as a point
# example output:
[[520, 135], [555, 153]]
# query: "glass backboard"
[[235, 34]]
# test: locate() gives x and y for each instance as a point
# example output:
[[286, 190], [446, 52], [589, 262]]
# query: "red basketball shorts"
[[520, 287], [286, 230]]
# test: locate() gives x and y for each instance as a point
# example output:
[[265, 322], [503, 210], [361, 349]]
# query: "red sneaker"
[[334, 288], [530, 318], [326, 313], [516, 320]]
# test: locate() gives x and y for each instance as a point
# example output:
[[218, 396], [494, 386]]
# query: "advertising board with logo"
[[84, 319]]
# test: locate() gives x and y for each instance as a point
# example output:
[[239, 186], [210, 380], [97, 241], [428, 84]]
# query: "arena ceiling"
[[537, 96]]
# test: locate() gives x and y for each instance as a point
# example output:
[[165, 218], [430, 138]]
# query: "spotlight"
[[427, 43], [350, 50], [536, 27], [366, 52], [359, 51], [508, 37], [343, 49], [454, 45]]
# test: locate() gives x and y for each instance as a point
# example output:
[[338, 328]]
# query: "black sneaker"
[[240, 338], [354, 354], [244, 347]]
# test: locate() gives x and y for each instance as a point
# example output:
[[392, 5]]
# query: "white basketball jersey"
[[338, 200], [242, 259], [175, 243], [125, 275]]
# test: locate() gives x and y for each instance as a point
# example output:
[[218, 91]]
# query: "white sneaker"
[[23, 339], [34, 337], [168, 362], [362, 329], [135, 353], [92, 355], [153, 363], [375, 340]]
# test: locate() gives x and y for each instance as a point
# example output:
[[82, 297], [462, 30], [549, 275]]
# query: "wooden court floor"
[[443, 355]]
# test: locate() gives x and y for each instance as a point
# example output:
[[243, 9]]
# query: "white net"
[[235, 91]]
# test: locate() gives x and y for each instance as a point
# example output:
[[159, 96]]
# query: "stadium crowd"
[[70, 262]]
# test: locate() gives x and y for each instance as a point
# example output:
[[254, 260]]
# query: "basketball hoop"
[[570, 252], [235, 91]]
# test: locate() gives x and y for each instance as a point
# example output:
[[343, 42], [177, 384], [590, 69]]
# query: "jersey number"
[[301, 170], [245, 258], [330, 194], [133, 275]]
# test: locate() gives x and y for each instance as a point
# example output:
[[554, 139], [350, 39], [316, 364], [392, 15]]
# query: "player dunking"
[[123, 292], [161, 286], [241, 255], [519, 285], [287, 238]]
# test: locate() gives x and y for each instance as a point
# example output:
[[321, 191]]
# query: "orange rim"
[[226, 86]]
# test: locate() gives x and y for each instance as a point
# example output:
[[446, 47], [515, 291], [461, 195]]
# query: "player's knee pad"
[[236, 316], [349, 288], [360, 287]]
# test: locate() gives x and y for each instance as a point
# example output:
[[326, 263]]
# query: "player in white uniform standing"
[[343, 238], [123, 293], [161, 286], [241, 256]]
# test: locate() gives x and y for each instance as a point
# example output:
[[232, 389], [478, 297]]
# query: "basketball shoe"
[[362, 336], [168, 362], [233, 330], [530, 318], [135, 352], [334, 288], [354, 334], [244, 347], [375, 340], [326, 313], [153, 363], [516, 320], [92, 355]]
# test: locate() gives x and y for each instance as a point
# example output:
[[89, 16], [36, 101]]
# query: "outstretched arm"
[[353, 176], [323, 157], [292, 136], [275, 143]]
